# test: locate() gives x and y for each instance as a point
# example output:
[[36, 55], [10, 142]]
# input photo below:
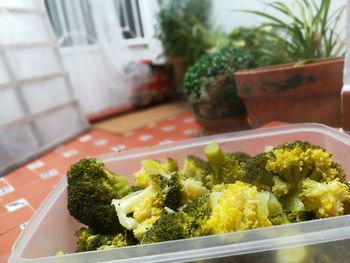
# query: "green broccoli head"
[[230, 203], [196, 178], [90, 191], [197, 169], [210, 87], [197, 213], [325, 199], [224, 210], [169, 226], [167, 189], [240, 166], [234, 169], [154, 167], [294, 161], [139, 210], [88, 240]]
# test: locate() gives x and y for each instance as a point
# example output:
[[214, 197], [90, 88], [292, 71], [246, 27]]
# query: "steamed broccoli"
[[291, 164], [170, 225], [231, 207], [215, 155], [293, 182], [196, 178], [91, 188], [138, 211], [238, 166], [236, 207], [294, 161], [216, 212], [197, 213], [197, 169], [234, 169], [151, 167], [325, 199], [89, 239]]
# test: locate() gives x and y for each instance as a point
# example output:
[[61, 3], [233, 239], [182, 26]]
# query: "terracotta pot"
[[180, 66], [230, 124], [288, 93]]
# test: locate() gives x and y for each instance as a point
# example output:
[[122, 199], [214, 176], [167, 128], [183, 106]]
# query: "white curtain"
[[37, 107], [94, 52]]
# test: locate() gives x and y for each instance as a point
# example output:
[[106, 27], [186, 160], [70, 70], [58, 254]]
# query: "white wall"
[[223, 14]]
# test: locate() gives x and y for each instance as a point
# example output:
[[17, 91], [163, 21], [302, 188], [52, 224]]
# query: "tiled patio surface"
[[22, 191]]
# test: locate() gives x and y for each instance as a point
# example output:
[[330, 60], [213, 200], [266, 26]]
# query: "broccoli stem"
[[215, 155]]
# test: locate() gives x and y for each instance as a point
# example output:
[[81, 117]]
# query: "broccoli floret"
[[256, 166], [280, 188], [199, 170], [91, 188], [238, 166], [170, 226], [196, 178], [191, 190], [294, 161], [152, 167], [215, 155], [89, 239], [325, 199], [138, 211], [234, 169], [225, 209], [237, 207], [290, 164], [198, 213]]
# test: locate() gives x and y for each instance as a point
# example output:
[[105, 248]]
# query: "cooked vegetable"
[[151, 167], [230, 192], [138, 211], [89, 239], [291, 164], [91, 188], [325, 199]]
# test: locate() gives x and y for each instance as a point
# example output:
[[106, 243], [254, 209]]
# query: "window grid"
[[17, 84]]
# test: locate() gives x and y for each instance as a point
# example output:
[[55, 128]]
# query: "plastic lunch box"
[[51, 228]]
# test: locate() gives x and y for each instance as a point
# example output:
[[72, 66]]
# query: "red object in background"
[[155, 88]]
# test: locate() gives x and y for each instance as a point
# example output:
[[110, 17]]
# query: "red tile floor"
[[22, 191]]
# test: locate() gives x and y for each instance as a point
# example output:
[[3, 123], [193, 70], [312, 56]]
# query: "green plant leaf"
[[262, 14], [285, 10]]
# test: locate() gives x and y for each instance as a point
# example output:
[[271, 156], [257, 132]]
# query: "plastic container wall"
[[52, 229]]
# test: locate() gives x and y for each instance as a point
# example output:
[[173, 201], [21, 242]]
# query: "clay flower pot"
[[289, 93], [180, 66], [229, 124]]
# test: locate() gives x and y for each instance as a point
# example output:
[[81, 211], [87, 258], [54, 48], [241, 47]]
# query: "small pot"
[[289, 93]]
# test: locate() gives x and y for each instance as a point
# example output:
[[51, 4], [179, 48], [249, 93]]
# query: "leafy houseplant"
[[210, 88], [182, 28], [260, 43], [309, 35], [307, 90]]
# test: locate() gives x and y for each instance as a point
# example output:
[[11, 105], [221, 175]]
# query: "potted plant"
[[210, 89], [182, 28], [309, 89]]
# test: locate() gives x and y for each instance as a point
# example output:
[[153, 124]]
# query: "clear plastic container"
[[51, 229]]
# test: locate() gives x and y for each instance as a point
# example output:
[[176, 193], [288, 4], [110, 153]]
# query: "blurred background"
[[86, 78], [67, 64]]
